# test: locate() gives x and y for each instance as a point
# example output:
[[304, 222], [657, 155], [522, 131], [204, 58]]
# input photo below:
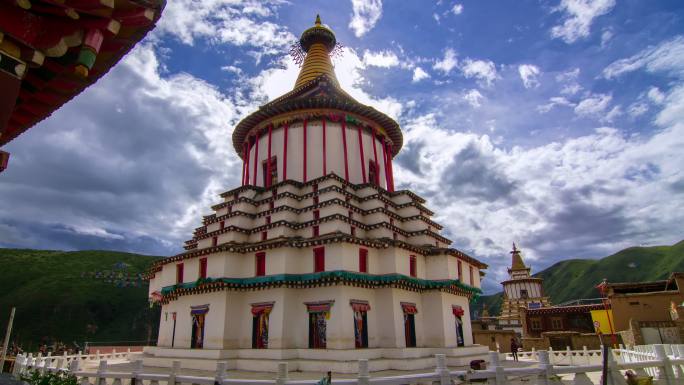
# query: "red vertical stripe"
[[363, 160], [268, 160], [344, 145], [256, 157], [384, 160], [389, 164], [375, 157], [249, 147], [285, 127], [325, 168], [244, 162], [304, 165]]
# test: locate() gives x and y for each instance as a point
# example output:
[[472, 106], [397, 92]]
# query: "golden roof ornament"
[[313, 52]]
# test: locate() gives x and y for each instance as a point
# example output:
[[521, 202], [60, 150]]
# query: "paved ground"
[[7, 379]]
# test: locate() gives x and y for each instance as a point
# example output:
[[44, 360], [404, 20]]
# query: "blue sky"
[[555, 124]]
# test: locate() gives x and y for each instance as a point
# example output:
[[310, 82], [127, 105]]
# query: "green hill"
[[75, 296], [576, 278]]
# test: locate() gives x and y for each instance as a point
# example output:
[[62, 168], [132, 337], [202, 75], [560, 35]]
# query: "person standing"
[[514, 349]]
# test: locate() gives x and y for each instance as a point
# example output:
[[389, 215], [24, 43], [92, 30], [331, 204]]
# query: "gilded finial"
[[318, 19]]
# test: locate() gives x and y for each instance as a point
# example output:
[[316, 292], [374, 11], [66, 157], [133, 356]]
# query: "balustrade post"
[[101, 369], [137, 369], [500, 375], [19, 362], [220, 372], [364, 375], [97, 354], [281, 377], [175, 368], [544, 377], [59, 364], [73, 367], [442, 370], [42, 365], [664, 370]]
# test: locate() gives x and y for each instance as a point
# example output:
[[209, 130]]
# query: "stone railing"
[[63, 361], [666, 369], [562, 357]]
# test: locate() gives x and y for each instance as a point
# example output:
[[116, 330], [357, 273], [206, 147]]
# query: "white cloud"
[[637, 109], [606, 36], [447, 63], [594, 105], [457, 9], [553, 102], [666, 57], [483, 70], [366, 14], [473, 97], [579, 15], [543, 196], [655, 95], [226, 22], [384, 59], [528, 75], [419, 74]]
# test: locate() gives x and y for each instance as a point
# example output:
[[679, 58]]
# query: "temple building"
[[50, 51], [316, 259], [521, 290]]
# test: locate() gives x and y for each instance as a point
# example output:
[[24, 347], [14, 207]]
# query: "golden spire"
[[517, 262], [317, 41]]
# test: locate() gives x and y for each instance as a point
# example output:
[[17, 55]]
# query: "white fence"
[[563, 357], [63, 361], [666, 369]]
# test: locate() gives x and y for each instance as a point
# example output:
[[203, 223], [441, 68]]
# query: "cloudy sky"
[[555, 124]]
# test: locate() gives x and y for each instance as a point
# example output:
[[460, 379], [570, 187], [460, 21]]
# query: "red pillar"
[[304, 165], [249, 147], [384, 160], [244, 162], [375, 158], [363, 160], [325, 168], [344, 145], [285, 127], [268, 160], [256, 158], [389, 163]]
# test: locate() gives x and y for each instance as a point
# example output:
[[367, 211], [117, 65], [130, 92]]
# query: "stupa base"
[[313, 360]]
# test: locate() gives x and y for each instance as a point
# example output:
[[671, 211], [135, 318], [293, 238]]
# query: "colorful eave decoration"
[[565, 309], [319, 94], [50, 51], [325, 278]]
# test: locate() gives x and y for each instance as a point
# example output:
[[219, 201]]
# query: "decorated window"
[[198, 314], [319, 259], [203, 268], [319, 313], [363, 260], [260, 263], [360, 309], [557, 323], [535, 324], [460, 270], [458, 314], [412, 266], [179, 273], [260, 313], [410, 312], [373, 175], [271, 179]]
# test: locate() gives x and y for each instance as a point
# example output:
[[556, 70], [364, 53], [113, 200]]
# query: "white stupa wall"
[[334, 152]]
